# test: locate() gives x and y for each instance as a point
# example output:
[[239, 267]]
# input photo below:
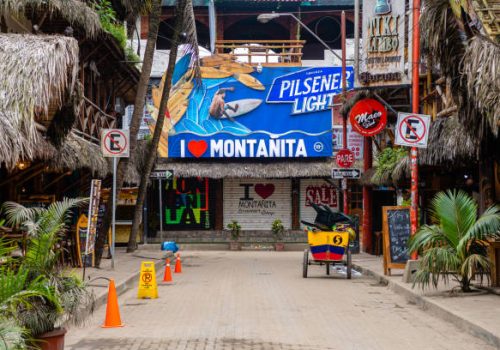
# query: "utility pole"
[[344, 118], [415, 109]]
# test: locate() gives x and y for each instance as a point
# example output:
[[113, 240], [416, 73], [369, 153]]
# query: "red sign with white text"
[[345, 158], [368, 117]]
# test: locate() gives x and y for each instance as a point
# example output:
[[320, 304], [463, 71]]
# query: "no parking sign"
[[412, 130], [115, 143]]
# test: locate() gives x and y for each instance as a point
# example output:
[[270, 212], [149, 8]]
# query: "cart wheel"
[[305, 263], [349, 263], [327, 268]]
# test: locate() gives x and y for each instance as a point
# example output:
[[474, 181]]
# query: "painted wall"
[[256, 203]]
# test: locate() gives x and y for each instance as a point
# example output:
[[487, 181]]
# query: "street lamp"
[[266, 17]]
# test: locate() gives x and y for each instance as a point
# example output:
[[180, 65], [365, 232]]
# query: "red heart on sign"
[[197, 148], [264, 190]]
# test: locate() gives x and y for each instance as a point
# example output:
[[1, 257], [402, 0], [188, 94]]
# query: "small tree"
[[278, 230], [235, 228], [455, 244]]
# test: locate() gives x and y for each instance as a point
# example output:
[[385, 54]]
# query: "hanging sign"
[[344, 158], [368, 117], [355, 141], [95, 195], [412, 130], [382, 56], [115, 143], [148, 289]]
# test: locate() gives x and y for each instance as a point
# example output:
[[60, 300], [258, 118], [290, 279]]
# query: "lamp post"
[[266, 17]]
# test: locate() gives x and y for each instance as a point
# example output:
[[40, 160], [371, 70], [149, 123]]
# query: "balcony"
[[263, 52]]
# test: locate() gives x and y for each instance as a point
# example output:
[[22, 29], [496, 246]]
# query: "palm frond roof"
[[74, 12], [37, 72]]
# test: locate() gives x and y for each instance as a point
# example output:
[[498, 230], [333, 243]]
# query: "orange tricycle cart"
[[328, 238]]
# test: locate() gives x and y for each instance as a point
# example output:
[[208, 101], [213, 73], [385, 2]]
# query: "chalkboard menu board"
[[396, 232]]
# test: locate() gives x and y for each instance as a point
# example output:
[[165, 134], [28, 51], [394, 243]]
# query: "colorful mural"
[[187, 203]]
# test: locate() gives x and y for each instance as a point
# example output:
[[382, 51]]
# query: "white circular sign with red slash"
[[412, 130], [115, 143]]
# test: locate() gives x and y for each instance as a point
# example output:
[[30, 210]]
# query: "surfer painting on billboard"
[[219, 108]]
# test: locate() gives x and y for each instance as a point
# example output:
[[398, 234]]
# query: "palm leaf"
[[456, 213], [12, 335], [487, 226]]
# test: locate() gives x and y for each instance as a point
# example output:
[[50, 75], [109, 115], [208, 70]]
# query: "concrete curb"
[[434, 308], [129, 282]]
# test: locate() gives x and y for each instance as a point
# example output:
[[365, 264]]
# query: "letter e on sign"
[[115, 143], [345, 158]]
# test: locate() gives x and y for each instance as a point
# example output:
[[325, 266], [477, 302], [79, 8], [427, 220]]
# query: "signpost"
[[345, 158], [346, 173], [115, 144], [161, 175], [412, 130]]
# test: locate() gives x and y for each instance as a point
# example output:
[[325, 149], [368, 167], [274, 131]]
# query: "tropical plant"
[[455, 244], [235, 228], [277, 229], [35, 291], [387, 164], [109, 22]]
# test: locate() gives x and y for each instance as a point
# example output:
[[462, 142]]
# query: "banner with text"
[[281, 112]]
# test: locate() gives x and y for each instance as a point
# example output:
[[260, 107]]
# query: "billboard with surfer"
[[237, 112]]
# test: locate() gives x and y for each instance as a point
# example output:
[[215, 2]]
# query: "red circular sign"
[[345, 158], [368, 117]]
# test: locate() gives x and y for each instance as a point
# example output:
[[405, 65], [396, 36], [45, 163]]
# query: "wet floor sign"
[[147, 281]]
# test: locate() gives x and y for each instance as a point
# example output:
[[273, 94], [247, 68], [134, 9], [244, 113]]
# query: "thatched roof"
[[37, 72], [75, 12], [470, 60], [449, 144], [76, 153], [481, 67], [277, 169]]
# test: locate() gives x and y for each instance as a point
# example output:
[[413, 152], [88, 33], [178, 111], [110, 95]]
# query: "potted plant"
[[235, 235], [455, 244], [36, 291], [278, 230]]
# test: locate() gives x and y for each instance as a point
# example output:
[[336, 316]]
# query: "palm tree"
[[455, 244], [142, 87], [184, 21]]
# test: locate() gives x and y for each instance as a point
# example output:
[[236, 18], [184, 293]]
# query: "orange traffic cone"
[[167, 277], [178, 267], [112, 311]]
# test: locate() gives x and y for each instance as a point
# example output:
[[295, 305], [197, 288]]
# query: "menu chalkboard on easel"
[[396, 232]]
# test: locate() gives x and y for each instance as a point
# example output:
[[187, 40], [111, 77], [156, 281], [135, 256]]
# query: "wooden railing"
[[92, 119], [265, 52]]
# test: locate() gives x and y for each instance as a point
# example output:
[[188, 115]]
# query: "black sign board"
[[338, 173], [396, 232], [162, 174]]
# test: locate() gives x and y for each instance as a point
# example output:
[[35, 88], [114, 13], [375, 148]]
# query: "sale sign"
[[345, 158]]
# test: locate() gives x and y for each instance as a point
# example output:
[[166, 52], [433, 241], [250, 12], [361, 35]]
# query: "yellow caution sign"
[[147, 281]]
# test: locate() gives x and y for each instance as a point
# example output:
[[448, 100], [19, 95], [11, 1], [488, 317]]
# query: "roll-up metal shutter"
[[256, 203], [319, 192]]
